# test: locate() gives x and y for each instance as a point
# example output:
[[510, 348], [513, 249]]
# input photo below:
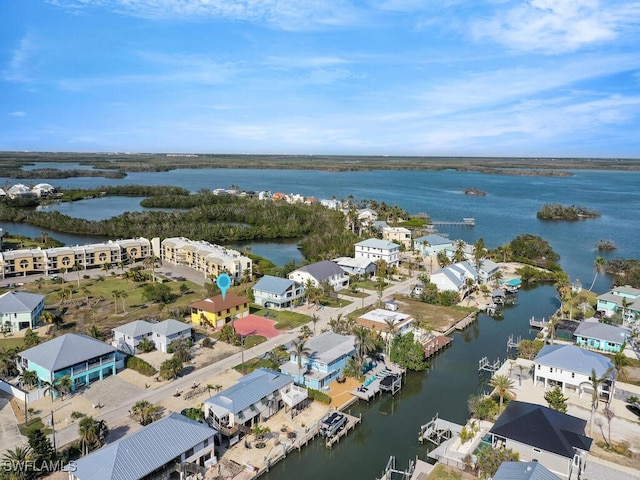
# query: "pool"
[[369, 381]]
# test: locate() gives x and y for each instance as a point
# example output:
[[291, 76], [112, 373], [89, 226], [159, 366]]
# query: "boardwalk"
[[435, 344]]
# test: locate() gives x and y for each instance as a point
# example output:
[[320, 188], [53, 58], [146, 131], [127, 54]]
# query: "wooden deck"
[[351, 424], [435, 344]]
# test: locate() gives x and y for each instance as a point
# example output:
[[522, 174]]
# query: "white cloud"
[[555, 27], [17, 70], [18, 114]]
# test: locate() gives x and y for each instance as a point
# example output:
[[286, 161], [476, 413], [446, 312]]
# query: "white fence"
[[21, 394]]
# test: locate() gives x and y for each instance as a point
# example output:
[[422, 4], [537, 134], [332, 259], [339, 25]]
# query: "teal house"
[[624, 300], [82, 358], [600, 336]]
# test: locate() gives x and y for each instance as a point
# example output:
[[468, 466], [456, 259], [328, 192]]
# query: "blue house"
[[82, 358], [600, 336], [625, 300], [328, 355], [276, 292], [431, 244]]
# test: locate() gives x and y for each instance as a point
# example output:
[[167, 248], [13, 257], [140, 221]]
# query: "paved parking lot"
[[10, 436]]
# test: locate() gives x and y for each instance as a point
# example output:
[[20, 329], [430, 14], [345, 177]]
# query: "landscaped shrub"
[[76, 415], [318, 395], [140, 366]]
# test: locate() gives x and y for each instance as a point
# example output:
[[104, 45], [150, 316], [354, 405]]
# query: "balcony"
[[294, 395]]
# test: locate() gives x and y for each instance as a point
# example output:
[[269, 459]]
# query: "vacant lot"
[[441, 318]]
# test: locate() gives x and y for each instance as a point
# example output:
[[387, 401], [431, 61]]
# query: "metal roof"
[[137, 455], [601, 331], [543, 428], [19, 302], [65, 351], [573, 359], [329, 346], [272, 284], [322, 270], [524, 471], [377, 243], [249, 390], [135, 329], [434, 239], [170, 327]]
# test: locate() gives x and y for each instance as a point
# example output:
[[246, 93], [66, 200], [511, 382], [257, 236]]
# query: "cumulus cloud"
[[17, 69], [556, 27], [18, 114]]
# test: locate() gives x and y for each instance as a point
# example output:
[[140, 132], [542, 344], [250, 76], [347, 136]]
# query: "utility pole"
[[53, 431]]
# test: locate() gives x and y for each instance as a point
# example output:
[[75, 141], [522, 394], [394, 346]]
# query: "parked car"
[[634, 408], [599, 314]]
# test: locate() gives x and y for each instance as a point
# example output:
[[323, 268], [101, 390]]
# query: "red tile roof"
[[217, 304]]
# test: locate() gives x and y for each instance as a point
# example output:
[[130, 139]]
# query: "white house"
[[43, 190], [277, 292], [317, 273], [126, 338], [20, 310], [382, 320], [454, 277], [487, 269], [356, 266], [375, 249], [431, 244], [367, 216], [570, 368]]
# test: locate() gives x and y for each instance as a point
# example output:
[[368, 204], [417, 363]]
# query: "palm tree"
[[626, 303], [301, 350], [92, 433], [95, 332], [596, 383], [458, 253], [64, 386], [390, 324], [503, 386], [314, 319], [146, 412], [28, 378], [76, 268], [18, 460], [123, 296], [621, 362], [116, 295], [39, 283], [364, 342], [47, 317], [598, 265]]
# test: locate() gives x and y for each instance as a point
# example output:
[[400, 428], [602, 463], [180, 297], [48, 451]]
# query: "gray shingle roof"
[[601, 331], [170, 327], [142, 452], [65, 351], [135, 328], [524, 471], [249, 390], [543, 428], [573, 359], [19, 302], [322, 270], [274, 285]]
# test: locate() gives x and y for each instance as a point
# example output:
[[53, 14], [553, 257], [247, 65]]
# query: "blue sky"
[[357, 77]]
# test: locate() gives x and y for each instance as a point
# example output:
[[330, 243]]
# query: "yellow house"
[[217, 312]]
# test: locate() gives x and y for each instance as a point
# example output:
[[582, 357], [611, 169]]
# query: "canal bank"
[[390, 424]]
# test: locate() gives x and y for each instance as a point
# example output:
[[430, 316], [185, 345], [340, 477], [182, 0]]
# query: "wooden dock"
[[373, 384], [466, 222], [351, 424], [435, 344], [438, 430], [542, 323]]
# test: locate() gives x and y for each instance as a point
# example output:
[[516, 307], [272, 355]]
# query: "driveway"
[[9, 434], [256, 325]]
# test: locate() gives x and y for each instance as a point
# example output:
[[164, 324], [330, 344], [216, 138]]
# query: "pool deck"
[[371, 386]]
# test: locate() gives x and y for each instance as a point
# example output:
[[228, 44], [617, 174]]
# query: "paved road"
[[117, 413], [9, 433]]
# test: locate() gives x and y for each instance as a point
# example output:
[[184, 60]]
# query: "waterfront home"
[[608, 338], [256, 397], [321, 272], [540, 434], [328, 355], [429, 245], [331, 204], [376, 249], [486, 270], [82, 358], [43, 190], [127, 337], [20, 310], [276, 292], [524, 471], [211, 260], [448, 279], [624, 300], [398, 235], [387, 322], [570, 367], [172, 445], [218, 311], [366, 216], [20, 191], [356, 266]]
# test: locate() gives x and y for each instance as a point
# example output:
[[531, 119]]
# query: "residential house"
[[126, 338], [398, 235], [43, 190], [376, 249], [366, 216], [19, 191], [608, 338], [385, 320], [218, 311], [524, 471], [540, 434], [486, 271], [570, 367], [321, 272], [276, 292], [356, 266], [466, 249], [331, 204], [211, 260], [454, 277], [328, 355], [20, 310], [163, 448], [82, 358], [429, 245], [255, 398], [624, 300]]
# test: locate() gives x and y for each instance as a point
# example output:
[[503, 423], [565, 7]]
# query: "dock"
[[438, 430], [462, 324], [542, 323], [485, 366], [351, 424], [466, 222], [513, 342], [435, 344], [384, 378]]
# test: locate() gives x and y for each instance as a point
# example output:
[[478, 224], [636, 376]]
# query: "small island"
[[474, 191], [606, 245], [571, 213]]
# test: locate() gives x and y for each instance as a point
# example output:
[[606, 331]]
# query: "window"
[[66, 261], [102, 257], [24, 263]]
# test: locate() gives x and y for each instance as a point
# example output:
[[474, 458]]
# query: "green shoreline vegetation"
[[116, 165], [569, 213]]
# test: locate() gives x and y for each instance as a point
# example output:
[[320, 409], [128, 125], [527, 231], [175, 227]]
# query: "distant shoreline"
[[12, 163]]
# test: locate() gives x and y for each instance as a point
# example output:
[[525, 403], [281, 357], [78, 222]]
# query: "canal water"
[[390, 424]]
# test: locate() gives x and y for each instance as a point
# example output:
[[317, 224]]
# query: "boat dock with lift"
[[387, 378], [417, 470]]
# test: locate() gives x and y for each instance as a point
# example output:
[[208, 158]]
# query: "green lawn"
[[253, 340], [442, 472], [11, 342], [350, 293], [254, 363], [285, 320], [334, 303], [368, 284]]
